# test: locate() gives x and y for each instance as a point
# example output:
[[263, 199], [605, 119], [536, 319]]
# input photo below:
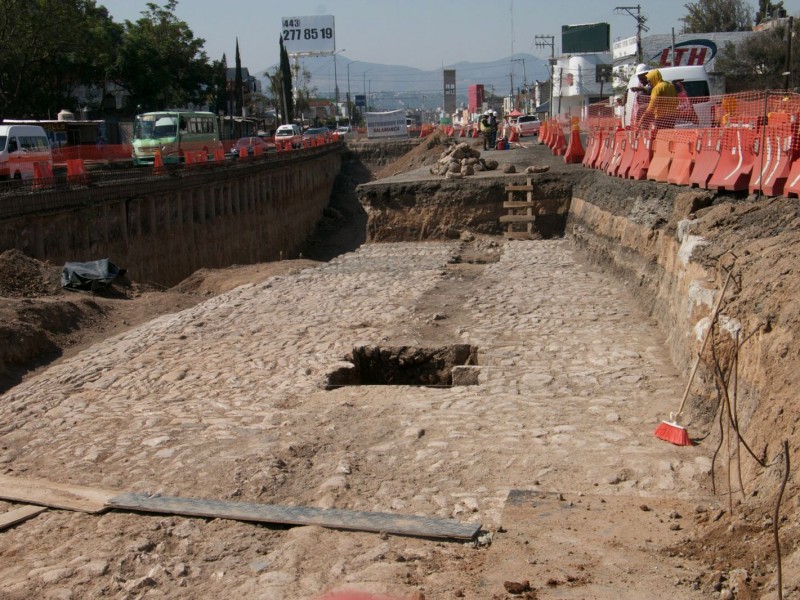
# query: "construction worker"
[[663, 106], [483, 125], [492, 128]]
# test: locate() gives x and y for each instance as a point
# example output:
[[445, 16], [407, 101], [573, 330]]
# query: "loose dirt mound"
[[427, 153], [25, 277]]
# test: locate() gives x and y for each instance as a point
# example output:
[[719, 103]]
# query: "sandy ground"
[[216, 389]]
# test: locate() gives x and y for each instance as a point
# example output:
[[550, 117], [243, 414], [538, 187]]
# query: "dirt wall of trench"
[[672, 246]]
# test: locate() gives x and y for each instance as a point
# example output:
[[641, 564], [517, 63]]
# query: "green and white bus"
[[174, 133]]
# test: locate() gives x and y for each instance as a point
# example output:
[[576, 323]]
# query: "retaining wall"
[[162, 229]]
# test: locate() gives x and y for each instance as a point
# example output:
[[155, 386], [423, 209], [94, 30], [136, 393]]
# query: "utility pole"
[[788, 71], [640, 26], [542, 41], [524, 74]]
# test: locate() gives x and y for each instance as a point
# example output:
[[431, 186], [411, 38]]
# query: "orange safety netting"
[[747, 141]]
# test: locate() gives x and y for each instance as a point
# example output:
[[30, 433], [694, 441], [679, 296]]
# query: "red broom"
[[670, 431]]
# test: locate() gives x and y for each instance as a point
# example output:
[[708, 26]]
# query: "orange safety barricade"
[[607, 153], [642, 154], [597, 147], [475, 132], [258, 150], [219, 155], [574, 152], [620, 138], [243, 153], [707, 151], [628, 153], [658, 169], [76, 171], [560, 143], [774, 161], [158, 163], [591, 137], [683, 148], [792, 187], [736, 160], [42, 174]]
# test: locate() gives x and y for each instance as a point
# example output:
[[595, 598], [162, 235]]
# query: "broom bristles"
[[672, 433]]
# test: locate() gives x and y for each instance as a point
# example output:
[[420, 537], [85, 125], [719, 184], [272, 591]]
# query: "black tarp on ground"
[[89, 275]]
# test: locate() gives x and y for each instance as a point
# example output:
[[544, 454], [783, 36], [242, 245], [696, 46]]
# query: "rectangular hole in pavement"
[[443, 366]]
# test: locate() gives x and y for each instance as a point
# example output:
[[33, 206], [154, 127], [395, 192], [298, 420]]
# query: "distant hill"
[[396, 86]]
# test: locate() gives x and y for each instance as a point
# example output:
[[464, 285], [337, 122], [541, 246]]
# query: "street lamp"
[[336, 87], [349, 104]]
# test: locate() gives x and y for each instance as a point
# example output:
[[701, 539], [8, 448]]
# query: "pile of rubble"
[[462, 160]]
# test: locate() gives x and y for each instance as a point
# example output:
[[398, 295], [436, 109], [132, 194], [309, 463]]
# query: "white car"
[[289, 133], [527, 125]]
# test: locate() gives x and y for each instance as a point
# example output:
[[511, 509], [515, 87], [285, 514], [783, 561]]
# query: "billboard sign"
[[309, 35], [449, 91], [588, 38], [361, 100], [688, 53], [387, 124]]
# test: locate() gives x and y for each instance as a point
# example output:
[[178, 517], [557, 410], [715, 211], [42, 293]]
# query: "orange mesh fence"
[[92, 152], [748, 141]]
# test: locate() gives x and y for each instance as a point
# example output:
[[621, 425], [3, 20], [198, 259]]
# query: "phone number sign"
[[309, 35]]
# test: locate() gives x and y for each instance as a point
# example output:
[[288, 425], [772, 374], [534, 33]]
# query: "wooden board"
[[519, 188], [18, 515], [519, 204], [297, 515], [517, 218], [55, 495]]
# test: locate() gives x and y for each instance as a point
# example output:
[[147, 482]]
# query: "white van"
[[289, 133], [21, 146], [694, 80]]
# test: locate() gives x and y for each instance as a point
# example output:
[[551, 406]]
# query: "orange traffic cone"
[[158, 163], [514, 135], [574, 153], [560, 142]]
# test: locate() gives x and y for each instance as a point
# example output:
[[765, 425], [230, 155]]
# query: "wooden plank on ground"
[[518, 204], [55, 495], [517, 218], [519, 188], [18, 515], [297, 515]]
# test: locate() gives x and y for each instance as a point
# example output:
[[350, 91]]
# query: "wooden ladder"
[[515, 218]]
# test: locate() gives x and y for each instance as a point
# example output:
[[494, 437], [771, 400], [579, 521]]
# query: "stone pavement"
[[226, 400]]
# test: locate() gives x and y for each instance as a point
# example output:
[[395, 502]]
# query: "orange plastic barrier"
[[76, 171], [735, 161], [42, 174], [643, 152], [591, 138], [597, 148], [792, 187], [243, 153], [219, 155], [628, 152], [574, 152], [513, 136], [680, 170], [707, 150], [774, 161], [560, 142], [607, 153], [616, 154], [158, 163], [662, 157]]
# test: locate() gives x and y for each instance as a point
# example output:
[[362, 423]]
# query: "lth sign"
[[692, 52]]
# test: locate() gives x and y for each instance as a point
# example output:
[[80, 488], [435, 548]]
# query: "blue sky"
[[425, 34]]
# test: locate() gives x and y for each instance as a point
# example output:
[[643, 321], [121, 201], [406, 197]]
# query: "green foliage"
[[49, 47], [238, 84], [706, 16], [759, 62], [160, 63], [287, 96]]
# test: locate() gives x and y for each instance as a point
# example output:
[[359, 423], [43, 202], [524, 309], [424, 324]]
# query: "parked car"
[[250, 143], [322, 133], [343, 130], [527, 125], [289, 133]]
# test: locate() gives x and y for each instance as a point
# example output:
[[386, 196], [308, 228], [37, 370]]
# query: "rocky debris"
[[25, 277], [537, 169], [509, 169], [461, 160]]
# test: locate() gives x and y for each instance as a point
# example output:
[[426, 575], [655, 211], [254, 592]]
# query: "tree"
[[161, 63], [706, 16], [238, 85], [759, 62], [766, 9], [287, 98], [50, 47]]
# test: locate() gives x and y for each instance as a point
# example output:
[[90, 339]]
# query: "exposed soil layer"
[[40, 324]]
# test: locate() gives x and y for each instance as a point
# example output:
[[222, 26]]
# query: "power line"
[[640, 26]]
